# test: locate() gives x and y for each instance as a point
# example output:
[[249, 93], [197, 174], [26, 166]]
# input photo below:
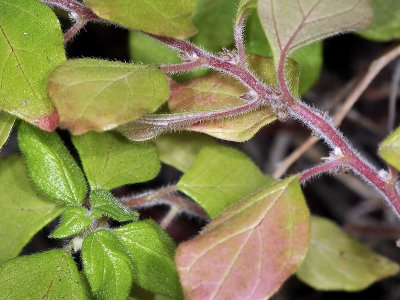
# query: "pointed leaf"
[[169, 18], [385, 24], [74, 220], [6, 124], [31, 45], [179, 150], [389, 149], [249, 250], [52, 168], [219, 177], [107, 267], [47, 275], [152, 252], [99, 95], [111, 161], [105, 204], [290, 24], [336, 262], [24, 213]]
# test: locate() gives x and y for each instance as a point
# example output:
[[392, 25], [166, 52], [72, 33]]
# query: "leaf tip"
[[48, 122]]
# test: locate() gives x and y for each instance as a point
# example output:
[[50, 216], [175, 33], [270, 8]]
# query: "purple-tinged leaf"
[[251, 249]]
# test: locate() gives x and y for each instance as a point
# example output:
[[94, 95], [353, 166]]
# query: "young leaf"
[[309, 58], [111, 161], [389, 149], [385, 24], [6, 124], [24, 213], [249, 250], [219, 177], [152, 252], [210, 15], [99, 95], [31, 45], [336, 262], [106, 265], [290, 24], [74, 220], [169, 18], [179, 150], [105, 204], [52, 168], [47, 275]]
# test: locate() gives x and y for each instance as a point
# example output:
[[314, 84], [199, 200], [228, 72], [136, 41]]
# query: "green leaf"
[[309, 58], [212, 14], [105, 204], [249, 250], [179, 150], [389, 149], [47, 275], [52, 168], [152, 252], [336, 262], [219, 177], [81, 90], [111, 161], [145, 49], [290, 24], [74, 220], [6, 124], [31, 45], [24, 213], [106, 265], [385, 24], [169, 18]]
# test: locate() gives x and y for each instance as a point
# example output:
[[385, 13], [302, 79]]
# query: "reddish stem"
[[320, 169], [239, 42], [78, 10]]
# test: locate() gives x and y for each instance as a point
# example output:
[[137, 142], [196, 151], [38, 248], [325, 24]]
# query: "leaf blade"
[[215, 265], [111, 161], [47, 275], [81, 90], [336, 262], [47, 157], [6, 124], [24, 24], [24, 212]]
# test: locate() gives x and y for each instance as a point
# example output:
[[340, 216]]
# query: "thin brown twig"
[[374, 69]]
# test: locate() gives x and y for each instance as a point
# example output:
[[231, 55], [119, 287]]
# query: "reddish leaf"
[[251, 249]]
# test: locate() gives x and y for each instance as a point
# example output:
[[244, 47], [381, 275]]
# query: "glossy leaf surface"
[[249, 250], [290, 25], [106, 265], [219, 177], [47, 275], [111, 161], [105, 204], [170, 18], [31, 46], [24, 213], [337, 262], [152, 252], [98, 95], [74, 220], [51, 167]]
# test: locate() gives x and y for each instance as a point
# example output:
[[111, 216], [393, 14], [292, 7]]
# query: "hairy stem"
[[76, 9], [321, 168]]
